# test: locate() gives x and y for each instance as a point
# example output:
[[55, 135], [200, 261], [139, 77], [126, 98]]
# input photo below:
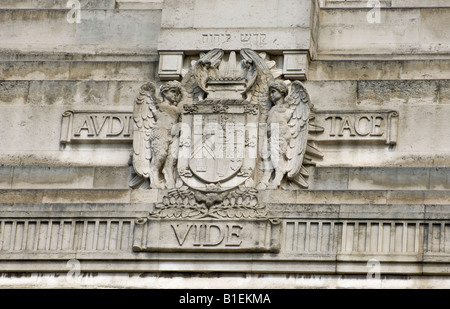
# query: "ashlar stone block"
[[388, 178], [52, 177], [5, 177]]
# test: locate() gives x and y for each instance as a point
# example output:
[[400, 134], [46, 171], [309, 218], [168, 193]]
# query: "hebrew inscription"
[[216, 38], [243, 39]]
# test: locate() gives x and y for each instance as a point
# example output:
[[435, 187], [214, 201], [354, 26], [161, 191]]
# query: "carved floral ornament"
[[231, 127]]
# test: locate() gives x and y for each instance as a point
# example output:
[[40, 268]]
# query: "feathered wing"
[[144, 116], [212, 58], [300, 105], [194, 81], [259, 78]]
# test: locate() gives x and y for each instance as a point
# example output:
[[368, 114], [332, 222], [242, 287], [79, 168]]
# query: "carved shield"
[[218, 141]]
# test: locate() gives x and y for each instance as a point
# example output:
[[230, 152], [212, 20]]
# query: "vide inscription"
[[209, 235]]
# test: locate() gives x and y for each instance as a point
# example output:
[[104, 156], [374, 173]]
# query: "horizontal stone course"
[[348, 4], [108, 31], [429, 181], [52, 177], [55, 4], [5, 177], [78, 94], [395, 178], [323, 232], [312, 202], [121, 69], [414, 32], [371, 69], [325, 245]]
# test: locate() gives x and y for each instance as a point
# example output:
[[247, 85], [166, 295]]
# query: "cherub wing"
[[145, 114], [212, 59], [300, 105], [258, 77]]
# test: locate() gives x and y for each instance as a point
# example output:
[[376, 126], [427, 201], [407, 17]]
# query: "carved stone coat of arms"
[[231, 127]]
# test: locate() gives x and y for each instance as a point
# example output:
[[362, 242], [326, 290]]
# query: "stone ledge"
[[325, 198], [107, 30], [84, 4], [121, 69], [394, 4], [202, 267], [154, 280], [55, 4], [431, 180], [94, 234], [131, 56], [414, 33], [380, 178], [106, 94], [371, 69]]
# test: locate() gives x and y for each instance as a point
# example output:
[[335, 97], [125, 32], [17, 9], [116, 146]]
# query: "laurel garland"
[[186, 203]]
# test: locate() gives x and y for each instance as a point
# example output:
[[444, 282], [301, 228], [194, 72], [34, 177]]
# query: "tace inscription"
[[334, 126], [259, 235]]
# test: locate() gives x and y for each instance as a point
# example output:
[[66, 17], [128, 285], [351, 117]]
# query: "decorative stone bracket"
[[295, 65], [170, 65]]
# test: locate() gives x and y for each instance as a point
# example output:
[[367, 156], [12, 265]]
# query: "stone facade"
[[374, 196]]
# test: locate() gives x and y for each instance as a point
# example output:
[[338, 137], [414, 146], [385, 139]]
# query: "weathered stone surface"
[[111, 177], [55, 4], [75, 93], [5, 177], [384, 3], [42, 123], [393, 212], [86, 196], [440, 178], [13, 92], [50, 177], [436, 197], [118, 70], [403, 31], [373, 70], [145, 196], [339, 93], [194, 25], [377, 178], [253, 13], [139, 4], [107, 31], [401, 92], [406, 197], [329, 178], [20, 196]]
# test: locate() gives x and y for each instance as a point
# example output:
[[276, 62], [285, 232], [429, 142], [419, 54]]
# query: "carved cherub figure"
[[155, 138], [287, 134]]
